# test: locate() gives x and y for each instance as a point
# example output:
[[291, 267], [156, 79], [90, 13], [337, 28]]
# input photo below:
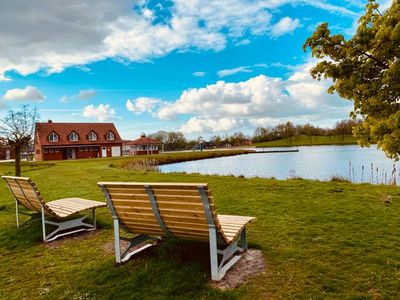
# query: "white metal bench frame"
[[65, 227], [230, 253]]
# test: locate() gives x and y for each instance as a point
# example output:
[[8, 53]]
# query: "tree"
[[172, 140], [17, 129], [366, 70]]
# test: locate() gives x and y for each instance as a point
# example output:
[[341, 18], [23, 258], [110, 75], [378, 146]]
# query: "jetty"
[[278, 151]]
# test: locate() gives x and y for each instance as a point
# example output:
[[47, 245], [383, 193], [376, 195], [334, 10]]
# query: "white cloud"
[[29, 93], [86, 94], [243, 42], [258, 100], [199, 74], [126, 30], [228, 72], [142, 104], [101, 113], [284, 26], [82, 95], [200, 125]]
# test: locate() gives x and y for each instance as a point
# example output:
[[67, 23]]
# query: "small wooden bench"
[[26, 194], [181, 210]]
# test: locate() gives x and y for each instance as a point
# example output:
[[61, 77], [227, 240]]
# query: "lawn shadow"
[[173, 269]]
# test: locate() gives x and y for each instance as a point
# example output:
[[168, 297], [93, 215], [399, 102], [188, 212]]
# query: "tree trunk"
[[17, 160]]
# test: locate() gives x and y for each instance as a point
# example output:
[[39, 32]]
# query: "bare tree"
[[17, 129]]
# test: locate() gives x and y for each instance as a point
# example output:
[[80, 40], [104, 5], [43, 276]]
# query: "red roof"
[[63, 130], [144, 141]]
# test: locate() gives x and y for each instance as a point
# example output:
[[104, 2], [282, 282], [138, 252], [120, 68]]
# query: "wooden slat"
[[128, 196], [131, 203], [188, 230], [167, 218], [161, 191], [161, 198], [160, 204], [180, 206], [141, 222], [172, 185]]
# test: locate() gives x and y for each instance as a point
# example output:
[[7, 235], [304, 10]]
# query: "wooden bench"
[[180, 210], [26, 194]]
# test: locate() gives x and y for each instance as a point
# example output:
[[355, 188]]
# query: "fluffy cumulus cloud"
[[284, 26], [142, 104], [201, 124], [258, 101], [127, 30], [29, 93], [101, 113]]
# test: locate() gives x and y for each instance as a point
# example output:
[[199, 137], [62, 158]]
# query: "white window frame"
[[92, 136], [75, 135], [53, 137], [110, 136]]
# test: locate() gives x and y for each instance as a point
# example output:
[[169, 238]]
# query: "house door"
[[71, 154], [103, 151]]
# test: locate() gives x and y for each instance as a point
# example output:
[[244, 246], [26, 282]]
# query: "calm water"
[[312, 162]]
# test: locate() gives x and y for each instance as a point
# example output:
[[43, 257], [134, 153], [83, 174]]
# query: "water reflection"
[[312, 162]]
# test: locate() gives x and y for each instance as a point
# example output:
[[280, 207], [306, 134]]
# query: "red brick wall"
[[144, 152], [53, 156], [80, 152], [87, 153]]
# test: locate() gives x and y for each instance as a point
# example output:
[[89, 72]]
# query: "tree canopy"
[[17, 129], [366, 70]]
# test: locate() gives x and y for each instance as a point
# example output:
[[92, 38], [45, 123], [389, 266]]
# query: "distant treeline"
[[177, 141], [288, 130]]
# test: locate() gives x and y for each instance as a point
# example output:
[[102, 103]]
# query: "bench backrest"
[[183, 210], [25, 192]]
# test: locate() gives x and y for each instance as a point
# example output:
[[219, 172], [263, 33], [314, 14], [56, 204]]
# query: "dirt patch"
[[73, 237], [251, 264], [109, 247]]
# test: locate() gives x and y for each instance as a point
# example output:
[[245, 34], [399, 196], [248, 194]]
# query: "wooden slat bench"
[[26, 194], [181, 210]]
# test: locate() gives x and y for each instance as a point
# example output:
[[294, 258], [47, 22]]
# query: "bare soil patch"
[[251, 264]]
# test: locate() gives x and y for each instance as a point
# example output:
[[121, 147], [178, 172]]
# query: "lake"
[[311, 162]]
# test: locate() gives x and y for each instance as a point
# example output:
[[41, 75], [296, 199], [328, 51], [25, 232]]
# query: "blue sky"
[[203, 67]]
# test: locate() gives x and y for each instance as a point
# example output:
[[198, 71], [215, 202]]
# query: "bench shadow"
[[30, 233], [175, 269]]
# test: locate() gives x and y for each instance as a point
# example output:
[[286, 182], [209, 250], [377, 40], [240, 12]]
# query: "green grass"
[[303, 140], [320, 240]]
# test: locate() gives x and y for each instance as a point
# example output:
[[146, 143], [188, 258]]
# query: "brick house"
[[57, 141], [6, 152], [142, 146]]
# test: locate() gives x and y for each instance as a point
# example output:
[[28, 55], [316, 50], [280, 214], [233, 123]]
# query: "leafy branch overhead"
[[366, 70]]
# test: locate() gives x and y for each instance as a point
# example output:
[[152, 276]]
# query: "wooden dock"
[[278, 151]]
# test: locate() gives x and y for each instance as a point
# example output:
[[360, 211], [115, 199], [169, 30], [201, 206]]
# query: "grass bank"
[[321, 240], [175, 157], [303, 140]]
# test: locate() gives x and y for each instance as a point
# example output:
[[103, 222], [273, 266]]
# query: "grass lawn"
[[320, 240], [303, 140]]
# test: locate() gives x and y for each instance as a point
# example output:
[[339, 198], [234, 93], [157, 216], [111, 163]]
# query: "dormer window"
[[92, 136], [53, 137], [110, 136], [73, 136]]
